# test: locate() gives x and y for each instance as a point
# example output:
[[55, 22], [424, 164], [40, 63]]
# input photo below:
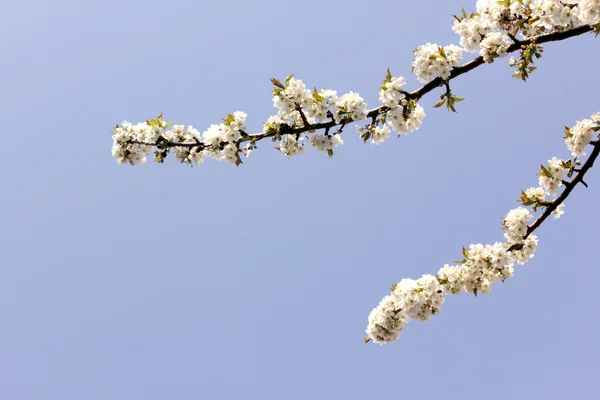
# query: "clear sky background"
[[217, 282]]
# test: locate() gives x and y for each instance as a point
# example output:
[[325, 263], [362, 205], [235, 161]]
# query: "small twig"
[[569, 186], [302, 116], [514, 39]]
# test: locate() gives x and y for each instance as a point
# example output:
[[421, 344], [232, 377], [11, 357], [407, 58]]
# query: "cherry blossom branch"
[[483, 265], [471, 65], [492, 31], [400, 110], [569, 186], [415, 95]]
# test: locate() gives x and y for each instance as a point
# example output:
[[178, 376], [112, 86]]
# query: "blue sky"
[[163, 281]]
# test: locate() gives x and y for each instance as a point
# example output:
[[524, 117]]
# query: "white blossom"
[[290, 146], [554, 14], [420, 299], [580, 136], [351, 106], [493, 46], [589, 11], [516, 223], [432, 61], [390, 91], [472, 31], [380, 134], [557, 173], [397, 122], [319, 105], [325, 142], [294, 95], [527, 252], [537, 194], [559, 211], [386, 321], [452, 279]]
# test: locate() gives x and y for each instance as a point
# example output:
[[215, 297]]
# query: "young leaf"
[[276, 83], [287, 80]]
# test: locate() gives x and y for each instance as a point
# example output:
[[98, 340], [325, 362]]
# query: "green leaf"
[[442, 52], [367, 340], [439, 103], [228, 120], [388, 76], [366, 136], [276, 83], [316, 96], [287, 80], [271, 129], [394, 286], [546, 173], [330, 153], [238, 160], [159, 157]]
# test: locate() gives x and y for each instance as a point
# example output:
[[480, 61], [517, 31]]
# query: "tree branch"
[[415, 95], [569, 186]]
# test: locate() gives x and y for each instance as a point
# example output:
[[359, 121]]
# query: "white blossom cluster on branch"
[[317, 117], [482, 265]]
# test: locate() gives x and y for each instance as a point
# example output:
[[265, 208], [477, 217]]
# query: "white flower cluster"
[[132, 143], [493, 46], [380, 134], [536, 194], [325, 143], [403, 124], [516, 223], [377, 134], [423, 298], [391, 91], [589, 11], [387, 321], [432, 61], [482, 265], [551, 177], [297, 106], [290, 146], [300, 111], [486, 30], [321, 103], [472, 30], [581, 134], [551, 15], [351, 106], [185, 154], [403, 116], [125, 151], [293, 95]]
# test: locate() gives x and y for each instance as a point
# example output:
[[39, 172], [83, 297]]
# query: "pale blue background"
[[217, 282]]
